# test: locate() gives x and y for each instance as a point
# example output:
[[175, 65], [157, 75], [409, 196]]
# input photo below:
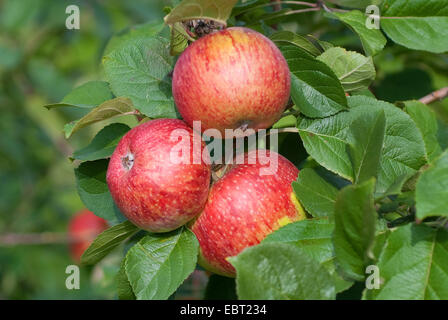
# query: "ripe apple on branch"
[[152, 189]]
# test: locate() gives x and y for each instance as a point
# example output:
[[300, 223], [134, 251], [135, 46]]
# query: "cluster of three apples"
[[229, 79]]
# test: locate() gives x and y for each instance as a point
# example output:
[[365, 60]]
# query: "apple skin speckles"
[[232, 78], [152, 191], [234, 219]]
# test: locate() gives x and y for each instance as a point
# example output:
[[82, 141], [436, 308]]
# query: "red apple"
[[83, 229], [243, 207], [151, 188], [231, 79]]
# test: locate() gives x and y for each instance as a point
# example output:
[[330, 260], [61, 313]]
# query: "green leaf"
[[124, 289], [87, 95], [382, 234], [325, 140], [218, 10], [107, 241], [365, 92], [158, 264], [220, 288], [403, 151], [396, 187], [141, 31], [104, 143], [426, 122], [315, 89], [403, 147], [315, 194], [288, 37], [285, 122], [313, 236], [106, 110], [418, 25], [413, 265], [280, 271], [367, 135], [431, 194], [140, 71], [373, 40], [354, 232], [93, 191], [355, 71]]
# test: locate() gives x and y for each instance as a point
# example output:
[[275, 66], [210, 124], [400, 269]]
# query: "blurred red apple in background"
[[83, 229], [243, 207], [231, 79], [149, 186]]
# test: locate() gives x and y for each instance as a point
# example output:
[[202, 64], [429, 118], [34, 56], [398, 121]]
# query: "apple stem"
[[218, 171], [215, 177], [139, 116]]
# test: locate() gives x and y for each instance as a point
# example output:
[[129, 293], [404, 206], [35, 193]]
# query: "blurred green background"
[[41, 61]]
